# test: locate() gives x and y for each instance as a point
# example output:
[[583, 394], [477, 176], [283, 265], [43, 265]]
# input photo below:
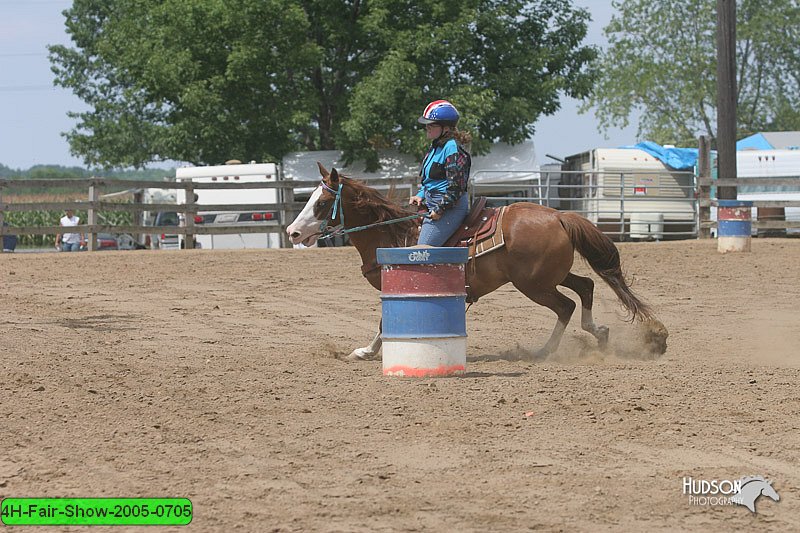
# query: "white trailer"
[[768, 164], [234, 173], [628, 191]]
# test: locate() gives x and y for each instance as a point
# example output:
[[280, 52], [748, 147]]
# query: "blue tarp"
[[677, 158], [754, 142]]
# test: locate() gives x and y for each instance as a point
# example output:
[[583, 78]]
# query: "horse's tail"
[[599, 250]]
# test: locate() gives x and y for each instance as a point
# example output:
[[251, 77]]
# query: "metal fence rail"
[[640, 204]]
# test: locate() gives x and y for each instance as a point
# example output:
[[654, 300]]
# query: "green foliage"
[[37, 218], [62, 172], [52, 218], [661, 62], [37, 193], [208, 80]]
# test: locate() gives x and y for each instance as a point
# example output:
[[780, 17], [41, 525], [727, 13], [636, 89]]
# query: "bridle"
[[339, 207]]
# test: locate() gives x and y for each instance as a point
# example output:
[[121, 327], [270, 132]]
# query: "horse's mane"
[[748, 479], [380, 209]]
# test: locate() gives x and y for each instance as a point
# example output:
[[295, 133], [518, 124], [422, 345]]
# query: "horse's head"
[[313, 219], [769, 491], [751, 488]]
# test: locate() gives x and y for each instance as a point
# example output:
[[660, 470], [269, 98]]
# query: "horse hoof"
[[602, 337], [655, 336], [360, 354]]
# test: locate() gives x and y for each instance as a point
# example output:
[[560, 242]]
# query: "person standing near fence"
[[70, 242]]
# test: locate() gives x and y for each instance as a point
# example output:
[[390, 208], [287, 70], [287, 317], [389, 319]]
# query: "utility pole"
[[733, 216], [726, 96]]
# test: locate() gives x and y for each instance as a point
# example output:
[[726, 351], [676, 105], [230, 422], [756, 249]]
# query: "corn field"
[[52, 218]]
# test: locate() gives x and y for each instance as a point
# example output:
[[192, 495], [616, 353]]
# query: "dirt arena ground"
[[213, 375]]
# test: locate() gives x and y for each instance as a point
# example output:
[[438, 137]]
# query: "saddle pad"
[[490, 240]]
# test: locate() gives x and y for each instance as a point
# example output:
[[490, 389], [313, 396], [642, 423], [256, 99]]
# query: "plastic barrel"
[[734, 225], [422, 300]]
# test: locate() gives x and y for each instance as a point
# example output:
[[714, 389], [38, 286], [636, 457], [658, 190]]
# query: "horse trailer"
[[248, 216], [627, 192]]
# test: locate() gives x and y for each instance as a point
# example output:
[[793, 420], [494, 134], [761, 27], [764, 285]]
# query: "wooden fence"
[[705, 202], [288, 207]]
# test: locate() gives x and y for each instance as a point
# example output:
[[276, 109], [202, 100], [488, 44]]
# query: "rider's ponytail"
[[464, 138]]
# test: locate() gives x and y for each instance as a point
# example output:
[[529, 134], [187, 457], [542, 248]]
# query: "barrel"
[[424, 322], [734, 225], [771, 214]]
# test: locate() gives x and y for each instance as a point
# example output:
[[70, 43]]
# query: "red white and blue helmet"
[[440, 112]]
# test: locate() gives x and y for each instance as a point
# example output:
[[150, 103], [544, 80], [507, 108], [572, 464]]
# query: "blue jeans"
[[436, 232], [70, 246]]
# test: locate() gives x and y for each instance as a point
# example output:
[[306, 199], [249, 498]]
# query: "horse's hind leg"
[[584, 287], [561, 305]]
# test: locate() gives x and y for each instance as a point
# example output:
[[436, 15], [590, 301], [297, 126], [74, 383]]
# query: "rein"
[[368, 226], [337, 204]]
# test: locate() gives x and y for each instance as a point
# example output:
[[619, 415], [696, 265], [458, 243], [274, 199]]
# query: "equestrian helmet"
[[440, 112]]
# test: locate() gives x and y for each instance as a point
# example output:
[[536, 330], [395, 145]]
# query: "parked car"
[[166, 241], [9, 241], [111, 241], [106, 241]]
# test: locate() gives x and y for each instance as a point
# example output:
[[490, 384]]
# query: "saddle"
[[479, 231]]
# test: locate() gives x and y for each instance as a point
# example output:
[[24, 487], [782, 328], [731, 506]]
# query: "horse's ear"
[[334, 176], [322, 170]]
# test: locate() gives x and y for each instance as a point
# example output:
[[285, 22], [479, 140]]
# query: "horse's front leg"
[[370, 352]]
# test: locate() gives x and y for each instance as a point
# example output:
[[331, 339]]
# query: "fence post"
[[703, 193], [287, 196], [2, 213], [189, 216], [91, 241], [138, 215], [621, 207]]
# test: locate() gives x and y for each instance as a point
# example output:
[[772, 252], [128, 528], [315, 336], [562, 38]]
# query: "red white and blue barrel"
[[424, 321], [733, 225]]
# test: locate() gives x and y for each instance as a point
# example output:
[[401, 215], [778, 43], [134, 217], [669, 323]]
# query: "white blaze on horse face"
[[305, 227]]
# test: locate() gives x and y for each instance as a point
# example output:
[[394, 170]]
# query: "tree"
[[208, 80], [661, 63]]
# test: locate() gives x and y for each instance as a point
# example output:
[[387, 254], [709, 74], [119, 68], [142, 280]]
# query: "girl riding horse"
[[444, 173], [539, 242]]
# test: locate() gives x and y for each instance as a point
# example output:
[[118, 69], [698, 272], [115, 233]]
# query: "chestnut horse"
[[540, 243]]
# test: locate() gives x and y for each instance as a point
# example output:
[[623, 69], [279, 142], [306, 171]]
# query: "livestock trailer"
[[251, 214], [628, 192]]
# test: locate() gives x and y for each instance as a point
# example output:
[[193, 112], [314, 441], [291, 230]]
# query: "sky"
[[33, 113]]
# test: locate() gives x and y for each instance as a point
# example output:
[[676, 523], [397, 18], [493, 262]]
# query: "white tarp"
[[504, 163], [303, 165]]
